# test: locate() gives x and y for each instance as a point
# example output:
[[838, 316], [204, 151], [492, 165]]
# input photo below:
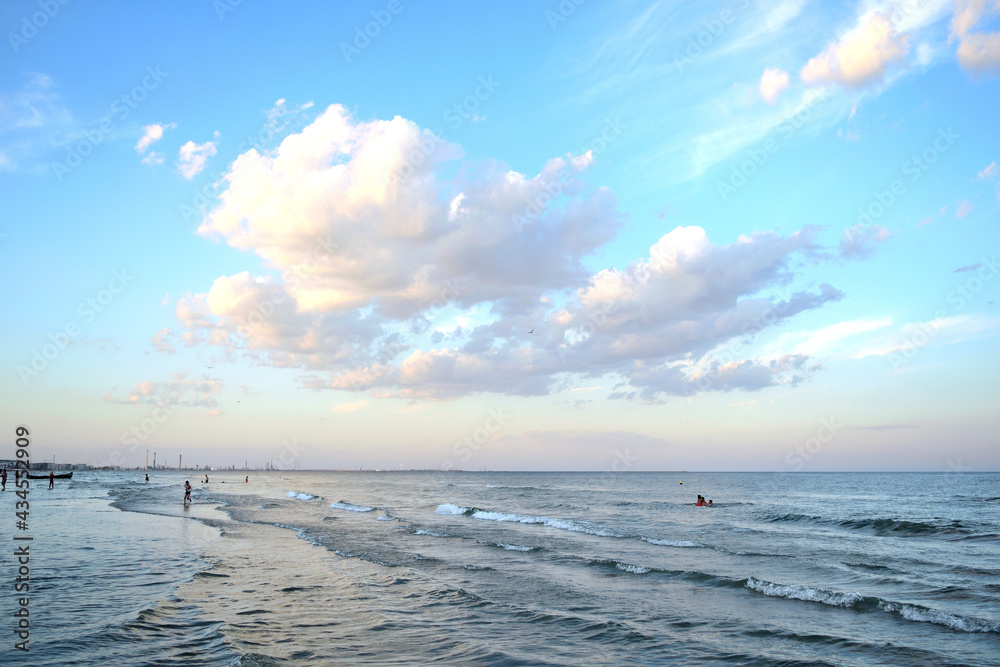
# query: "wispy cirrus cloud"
[[883, 336], [963, 208], [34, 122]]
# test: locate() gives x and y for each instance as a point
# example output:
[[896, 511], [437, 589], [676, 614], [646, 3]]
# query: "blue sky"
[[527, 236]]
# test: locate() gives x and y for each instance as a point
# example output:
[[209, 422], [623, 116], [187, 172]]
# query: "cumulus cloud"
[[715, 375], [859, 59], [364, 196], [978, 51], [150, 135], [772, 83], [401, 268], [192, 157]]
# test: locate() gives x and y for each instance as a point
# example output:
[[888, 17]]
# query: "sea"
[[506, 568]]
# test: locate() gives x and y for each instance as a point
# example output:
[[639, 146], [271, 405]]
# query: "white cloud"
[[907, 15], [772, 83], [153, 158], [161, 341], [151, 134], [883, 336], [178, 391], [192, 157], [860, 58], [859, 241], [33, 122], [841, 340], [910, 337], [931, 218], [364, 197], [978, 52], [989, 172], [965, 207], [379, 254]]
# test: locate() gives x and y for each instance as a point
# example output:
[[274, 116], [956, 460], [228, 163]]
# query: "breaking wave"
[[859, 602], [504, 517], [297, 495], [887, 526], [342, 505]]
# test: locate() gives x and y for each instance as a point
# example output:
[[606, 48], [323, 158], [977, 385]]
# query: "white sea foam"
[[670, 543], [909, 612], [505, 517], [340, 505], [386, 517], [515, 547], [562, 524], [938, 617], [424, 531], [793, 592], [300, 496], [628, 567], [448, 508]]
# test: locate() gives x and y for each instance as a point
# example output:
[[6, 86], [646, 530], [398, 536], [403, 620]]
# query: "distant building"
[[10, 464]]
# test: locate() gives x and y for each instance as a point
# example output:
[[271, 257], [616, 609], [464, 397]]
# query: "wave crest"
[[343, 505], [859, 602]]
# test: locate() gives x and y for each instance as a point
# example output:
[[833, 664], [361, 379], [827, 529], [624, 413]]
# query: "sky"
[[628, 236]]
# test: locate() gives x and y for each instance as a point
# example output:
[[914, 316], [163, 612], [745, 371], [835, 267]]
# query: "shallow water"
[[517, 568]]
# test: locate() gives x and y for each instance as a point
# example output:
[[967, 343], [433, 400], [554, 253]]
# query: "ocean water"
[[321, 568]]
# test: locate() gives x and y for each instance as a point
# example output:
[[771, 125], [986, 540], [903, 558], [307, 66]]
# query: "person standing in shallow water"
[[187, 492], [52, 480], [3, 478]]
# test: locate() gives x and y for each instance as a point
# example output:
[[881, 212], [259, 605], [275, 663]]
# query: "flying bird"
[[532, 331]]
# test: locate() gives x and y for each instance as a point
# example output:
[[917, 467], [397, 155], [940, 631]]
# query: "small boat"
[[64, 475]]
